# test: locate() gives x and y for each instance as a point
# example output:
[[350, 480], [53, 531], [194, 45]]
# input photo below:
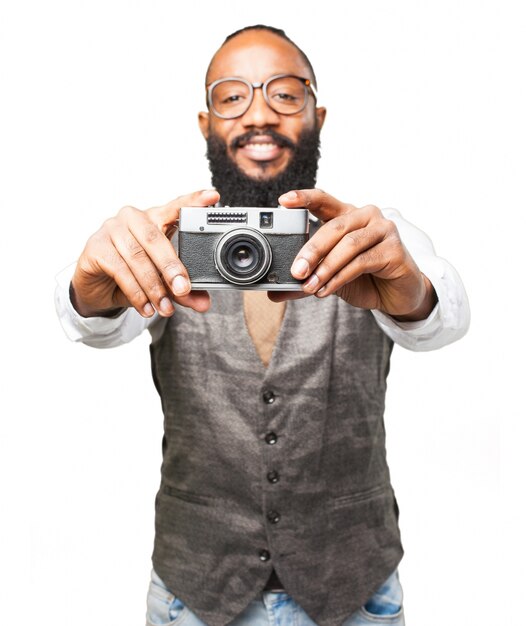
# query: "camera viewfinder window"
[[265, 220]]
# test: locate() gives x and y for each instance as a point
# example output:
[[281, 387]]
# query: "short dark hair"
[[276, 31]]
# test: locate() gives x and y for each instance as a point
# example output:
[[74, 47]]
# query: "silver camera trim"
[[285, 221], [255, 287], [249, 232]]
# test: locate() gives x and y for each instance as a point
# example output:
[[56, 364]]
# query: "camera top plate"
[[278, 221]]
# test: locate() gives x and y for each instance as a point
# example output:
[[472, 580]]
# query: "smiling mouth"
[[261, 148]]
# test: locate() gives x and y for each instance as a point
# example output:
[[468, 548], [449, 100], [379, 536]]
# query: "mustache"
[[280, 140], [239, 189]]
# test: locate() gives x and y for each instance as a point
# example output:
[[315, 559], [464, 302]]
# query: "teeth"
[[261, 146]]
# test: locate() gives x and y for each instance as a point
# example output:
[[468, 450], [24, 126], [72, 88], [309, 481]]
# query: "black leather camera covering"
[[196, 251]]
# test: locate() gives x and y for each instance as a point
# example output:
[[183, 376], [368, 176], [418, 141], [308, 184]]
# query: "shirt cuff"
[[75, 326], [420, 327], [447, 322]]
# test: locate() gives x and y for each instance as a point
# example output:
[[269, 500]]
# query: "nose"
[[259, 114]]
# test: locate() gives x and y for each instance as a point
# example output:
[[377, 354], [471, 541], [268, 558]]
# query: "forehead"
[[256, 55]]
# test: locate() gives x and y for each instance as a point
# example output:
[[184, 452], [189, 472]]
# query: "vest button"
[[273, 477], [271, 438], [268, 397], [273, 517], [264, 555]]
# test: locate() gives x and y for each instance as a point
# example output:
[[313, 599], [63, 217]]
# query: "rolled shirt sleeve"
[[449, 320], [98, 332]]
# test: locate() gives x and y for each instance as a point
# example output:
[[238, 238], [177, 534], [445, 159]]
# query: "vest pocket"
[[369, 511], [188, 496], [361, 496]]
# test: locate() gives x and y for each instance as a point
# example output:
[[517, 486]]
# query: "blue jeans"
[[276, 609]]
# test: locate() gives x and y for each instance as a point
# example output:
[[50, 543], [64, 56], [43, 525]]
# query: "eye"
[[285, 97], [287, 92], [236, 97], [230, 93]]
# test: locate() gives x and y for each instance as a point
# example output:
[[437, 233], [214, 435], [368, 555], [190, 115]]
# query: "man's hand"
[[358, 255], [130, 261]]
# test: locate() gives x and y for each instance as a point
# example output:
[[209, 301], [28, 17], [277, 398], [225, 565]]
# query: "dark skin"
[[356, 253]]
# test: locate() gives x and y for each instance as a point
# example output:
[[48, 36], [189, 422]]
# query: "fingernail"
[[321, 292], [148, 309], [311, 283], [166, 306], [289, 196], [180, 285], [300, 268]]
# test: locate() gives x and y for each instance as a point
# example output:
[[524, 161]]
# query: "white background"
[[98, 104]]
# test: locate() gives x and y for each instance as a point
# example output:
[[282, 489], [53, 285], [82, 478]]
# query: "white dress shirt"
[[448, 321]]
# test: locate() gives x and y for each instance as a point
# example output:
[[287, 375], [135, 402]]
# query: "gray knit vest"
[[280, 467]]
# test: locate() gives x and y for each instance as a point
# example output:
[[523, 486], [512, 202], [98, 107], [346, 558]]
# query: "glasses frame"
[[307, 83]]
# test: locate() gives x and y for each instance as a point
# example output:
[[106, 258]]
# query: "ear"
[[204, 123], [321, 112]]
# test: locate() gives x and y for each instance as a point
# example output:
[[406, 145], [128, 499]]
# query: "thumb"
[[167, 215]]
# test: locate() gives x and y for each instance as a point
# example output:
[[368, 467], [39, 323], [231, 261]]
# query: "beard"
[[238, 189]]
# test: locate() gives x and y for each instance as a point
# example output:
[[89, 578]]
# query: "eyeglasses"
[[231, 97]]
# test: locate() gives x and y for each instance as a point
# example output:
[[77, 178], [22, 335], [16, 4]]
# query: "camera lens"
[[243, 256]]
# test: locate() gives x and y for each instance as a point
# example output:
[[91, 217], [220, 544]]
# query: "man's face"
[[256, 56]]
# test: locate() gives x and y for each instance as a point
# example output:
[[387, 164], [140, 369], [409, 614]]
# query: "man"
[[275, 502]]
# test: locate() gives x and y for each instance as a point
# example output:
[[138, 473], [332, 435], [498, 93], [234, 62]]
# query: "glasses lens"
[[231, 98], [287, 95]]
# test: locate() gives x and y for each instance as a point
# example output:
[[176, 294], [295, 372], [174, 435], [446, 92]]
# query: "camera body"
[[242, 247]]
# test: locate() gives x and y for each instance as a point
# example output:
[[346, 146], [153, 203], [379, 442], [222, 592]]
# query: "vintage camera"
[[242, 247]]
